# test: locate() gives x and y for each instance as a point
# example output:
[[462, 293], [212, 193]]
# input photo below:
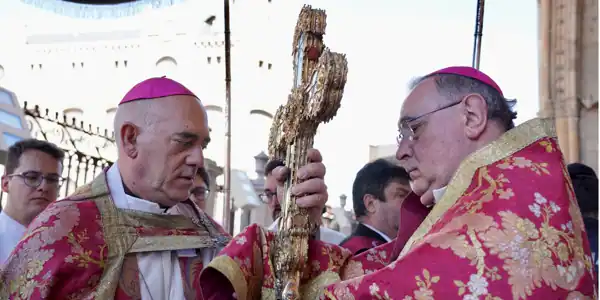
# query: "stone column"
[[214, 171], [544, 47], [260, 215], [564, 34]]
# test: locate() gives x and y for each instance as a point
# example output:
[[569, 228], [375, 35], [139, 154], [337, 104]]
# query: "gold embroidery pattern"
[[508, 144], [519, 240], [425, 291], [529, 254], [50, 230]]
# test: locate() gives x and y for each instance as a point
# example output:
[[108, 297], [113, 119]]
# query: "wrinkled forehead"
[[423, 98], [184, 113]]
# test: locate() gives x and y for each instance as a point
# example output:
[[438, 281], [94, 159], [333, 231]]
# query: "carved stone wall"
[[568, 65]]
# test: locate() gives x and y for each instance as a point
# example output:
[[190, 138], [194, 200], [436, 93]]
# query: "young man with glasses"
[[31, 181], [269, 197]]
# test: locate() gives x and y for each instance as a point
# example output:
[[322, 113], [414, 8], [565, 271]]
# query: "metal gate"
[[88, 149]]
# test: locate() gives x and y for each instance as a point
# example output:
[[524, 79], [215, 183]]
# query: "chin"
[[176, 197], [419, 186]]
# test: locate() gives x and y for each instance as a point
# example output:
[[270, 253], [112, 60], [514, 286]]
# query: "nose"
[[196, 157], [44, 185], [404, 150]]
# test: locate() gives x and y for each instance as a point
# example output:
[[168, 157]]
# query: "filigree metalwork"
[[319, 80], [88, 150]]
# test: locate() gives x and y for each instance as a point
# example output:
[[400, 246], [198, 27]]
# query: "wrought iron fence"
[[88, 150]]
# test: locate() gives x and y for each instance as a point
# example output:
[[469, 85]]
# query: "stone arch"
[[261, 112], [260, 124], [166, 65], [215, 108]]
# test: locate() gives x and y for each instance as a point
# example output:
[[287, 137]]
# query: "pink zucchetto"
[[157, 87], [471, 73]]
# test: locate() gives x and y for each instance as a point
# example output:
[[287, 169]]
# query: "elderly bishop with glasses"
[[495, 216]]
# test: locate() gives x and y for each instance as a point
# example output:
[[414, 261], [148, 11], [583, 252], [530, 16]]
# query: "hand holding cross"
[[319, 80]]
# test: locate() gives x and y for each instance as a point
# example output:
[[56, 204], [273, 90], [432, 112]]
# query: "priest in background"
[[378, 191], [132, 233], [504, 224]]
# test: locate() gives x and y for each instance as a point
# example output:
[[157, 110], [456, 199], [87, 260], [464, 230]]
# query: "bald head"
[[160, 143]]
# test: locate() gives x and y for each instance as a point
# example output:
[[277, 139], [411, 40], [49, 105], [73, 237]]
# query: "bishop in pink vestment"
[[504, 223], [131, 233]]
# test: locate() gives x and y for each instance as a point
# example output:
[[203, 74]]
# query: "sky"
[[390, 42]]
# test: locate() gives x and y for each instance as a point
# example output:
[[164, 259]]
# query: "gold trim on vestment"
[[509, 143], [149, 220], [121, 237], [171, 243], [230, 269], [310, 290], [118, 237]]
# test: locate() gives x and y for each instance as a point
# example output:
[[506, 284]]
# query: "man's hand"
[[311, 192]]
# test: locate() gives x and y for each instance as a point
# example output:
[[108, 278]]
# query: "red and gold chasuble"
[[84, 247], [507, 227]]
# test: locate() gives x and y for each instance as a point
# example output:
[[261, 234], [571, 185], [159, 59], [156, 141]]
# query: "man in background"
[[31, 181], [199, 193], [269, 196], [378, 191], [585, 185]]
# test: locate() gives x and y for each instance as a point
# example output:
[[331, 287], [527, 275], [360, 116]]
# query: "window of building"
[[213, 108], [260, 126], [110, 117], [74, 115], [5, 97]]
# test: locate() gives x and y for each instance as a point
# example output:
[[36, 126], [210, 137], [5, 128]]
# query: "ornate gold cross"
[[319, 80]]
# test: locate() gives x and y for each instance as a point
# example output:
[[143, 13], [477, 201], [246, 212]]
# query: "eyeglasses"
[[34, 179], [267, 196], [407, 131], [200, 192]]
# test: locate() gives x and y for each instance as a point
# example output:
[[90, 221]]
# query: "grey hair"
[[455, 86]]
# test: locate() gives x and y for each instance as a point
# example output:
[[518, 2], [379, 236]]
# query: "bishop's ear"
[[475, 115], [128, 138]]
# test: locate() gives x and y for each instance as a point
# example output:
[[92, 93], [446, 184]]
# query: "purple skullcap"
[[471, 73], [157, 87]]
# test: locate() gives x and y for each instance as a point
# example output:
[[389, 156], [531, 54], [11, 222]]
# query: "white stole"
[[160, 273]]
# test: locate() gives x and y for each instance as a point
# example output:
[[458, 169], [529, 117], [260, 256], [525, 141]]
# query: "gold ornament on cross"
[[319, 80]]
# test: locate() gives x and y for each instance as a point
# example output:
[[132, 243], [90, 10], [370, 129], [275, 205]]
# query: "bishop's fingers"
[[281, 173], [312, 170], [314, 155], [308, 187], [313, 201]]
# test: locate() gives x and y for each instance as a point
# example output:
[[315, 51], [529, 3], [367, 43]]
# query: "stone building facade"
[[79, 60], [568, 75]]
